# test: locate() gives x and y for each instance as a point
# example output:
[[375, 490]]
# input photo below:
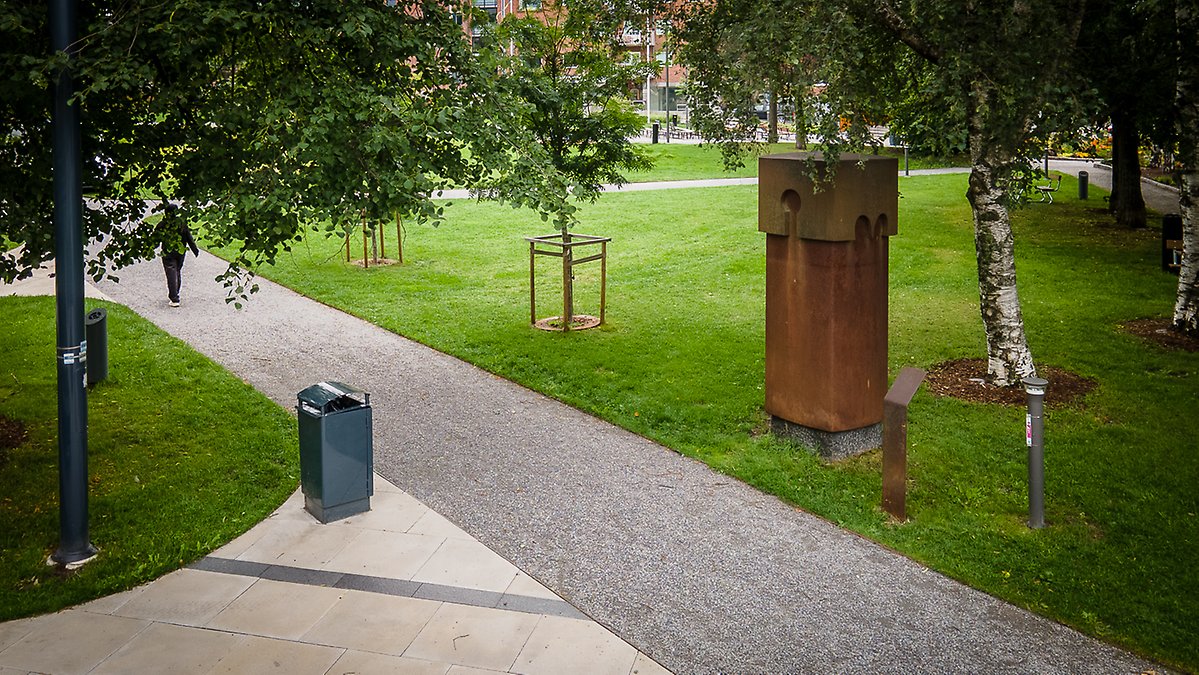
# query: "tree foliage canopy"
[[258, 118], [567, 66], [989, 73]]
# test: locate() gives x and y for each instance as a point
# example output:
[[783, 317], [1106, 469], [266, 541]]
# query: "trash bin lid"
[[332, 395]]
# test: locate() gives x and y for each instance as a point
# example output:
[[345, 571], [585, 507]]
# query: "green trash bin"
[[336, 450]]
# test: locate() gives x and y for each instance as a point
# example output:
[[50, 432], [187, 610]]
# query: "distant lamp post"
[[649, 42]]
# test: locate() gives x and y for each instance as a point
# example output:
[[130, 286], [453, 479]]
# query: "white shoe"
[[173, 303]]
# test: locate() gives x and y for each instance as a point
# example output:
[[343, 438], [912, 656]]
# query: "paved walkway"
[[397, 590], [1158, 197], [694, 569]]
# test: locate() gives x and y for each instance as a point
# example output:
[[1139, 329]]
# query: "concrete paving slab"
[[371, 622], [264, 655], [395, 555], [473, 636], [92, 638], [358, 663], [468, 564], [188, 597], [276, 609], [170, 650], [557, 643]]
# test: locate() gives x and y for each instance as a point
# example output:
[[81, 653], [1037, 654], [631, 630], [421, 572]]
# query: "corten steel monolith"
[[826, 296]]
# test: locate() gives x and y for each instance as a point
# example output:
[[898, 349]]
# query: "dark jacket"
[[185, 236]]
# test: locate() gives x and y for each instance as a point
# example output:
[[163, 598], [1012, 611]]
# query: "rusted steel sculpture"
[[826, 296]]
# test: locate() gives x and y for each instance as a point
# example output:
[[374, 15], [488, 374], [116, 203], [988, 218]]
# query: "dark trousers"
[[172, 264]]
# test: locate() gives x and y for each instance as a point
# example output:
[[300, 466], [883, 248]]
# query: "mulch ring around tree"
[[578, 322], [965, 379], [1161, 333], [375, 262], [12, 435]]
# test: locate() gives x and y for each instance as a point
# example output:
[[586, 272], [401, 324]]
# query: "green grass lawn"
[[182, 457], [683, 161], [681, 361]]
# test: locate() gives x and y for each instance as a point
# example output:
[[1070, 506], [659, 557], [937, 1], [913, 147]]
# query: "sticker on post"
[[1028, 429]]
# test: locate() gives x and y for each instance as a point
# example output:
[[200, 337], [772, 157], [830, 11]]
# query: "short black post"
[[655, 132], [1035, 438], [97, 345], [1172, 243], [1084, 180], [906, 172]]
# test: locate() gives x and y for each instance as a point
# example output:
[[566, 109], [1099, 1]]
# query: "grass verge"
[[681, 361], [182, 457]]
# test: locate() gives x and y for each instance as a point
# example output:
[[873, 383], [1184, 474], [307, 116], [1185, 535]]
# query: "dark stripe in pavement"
[[398, 587]]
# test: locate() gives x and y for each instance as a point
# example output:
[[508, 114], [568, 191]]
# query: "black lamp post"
[[74, 546]]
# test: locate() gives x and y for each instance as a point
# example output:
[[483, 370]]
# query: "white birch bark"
[[1008, 356], [1186, 304]]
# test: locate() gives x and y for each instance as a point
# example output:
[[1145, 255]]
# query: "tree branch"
[[895, 23]]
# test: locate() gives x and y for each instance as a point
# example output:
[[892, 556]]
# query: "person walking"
[[172, 261]]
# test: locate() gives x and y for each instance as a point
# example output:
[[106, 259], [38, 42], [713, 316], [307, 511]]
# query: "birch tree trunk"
[[1008, 356], [1186, 305]]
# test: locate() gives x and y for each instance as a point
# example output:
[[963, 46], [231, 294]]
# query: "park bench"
[[1048, 190]]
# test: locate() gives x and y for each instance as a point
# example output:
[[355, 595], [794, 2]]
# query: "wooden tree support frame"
[[563, 246], [380, 252]]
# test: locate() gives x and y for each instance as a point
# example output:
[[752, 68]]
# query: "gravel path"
[[698, 570]]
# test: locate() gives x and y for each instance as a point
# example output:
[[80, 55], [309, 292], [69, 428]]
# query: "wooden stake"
[[532, 285], [399, 239], [567, 285], [603, 279]]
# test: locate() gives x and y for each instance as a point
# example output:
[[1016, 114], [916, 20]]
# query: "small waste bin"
[[1172, 243], [336, 450], [96, 330]]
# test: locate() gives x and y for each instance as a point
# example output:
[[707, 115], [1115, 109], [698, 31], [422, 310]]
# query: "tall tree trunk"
[[1126, 202], [772, 118], [801, 123], [1186, 305], [1008, 356]]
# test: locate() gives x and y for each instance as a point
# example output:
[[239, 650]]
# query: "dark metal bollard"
[[1172, 243], [895, 441], [1084, 180], [655, 132], [1035, 437], [96, 326]]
